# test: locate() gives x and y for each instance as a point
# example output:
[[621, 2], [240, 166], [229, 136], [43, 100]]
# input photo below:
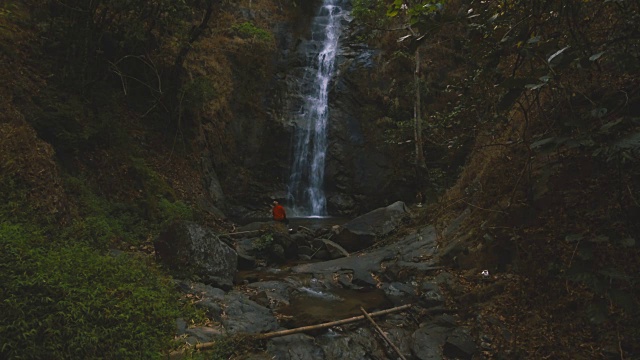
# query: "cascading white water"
[[306, 183]]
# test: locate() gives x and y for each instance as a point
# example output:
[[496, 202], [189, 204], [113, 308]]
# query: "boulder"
[[243, 315], [459, 345], [194, 250], [336, 251], [363, 231]]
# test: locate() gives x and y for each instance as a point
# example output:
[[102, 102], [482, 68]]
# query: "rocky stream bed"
[[263, 279]]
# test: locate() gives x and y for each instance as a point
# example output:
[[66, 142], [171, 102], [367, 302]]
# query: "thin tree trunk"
[[194, 35], [420, 162]]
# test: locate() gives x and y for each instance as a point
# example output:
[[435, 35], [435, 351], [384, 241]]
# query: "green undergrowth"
[[72, 302], [64, 296], [106, 222]]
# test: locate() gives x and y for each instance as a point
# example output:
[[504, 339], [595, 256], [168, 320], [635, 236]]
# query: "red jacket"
[[279, 213]]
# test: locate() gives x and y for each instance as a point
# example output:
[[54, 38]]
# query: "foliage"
[[77, 31], [198, 92], [172, 211], [248, 30], [263, 243], [371, 13], [149, 179], [104, 223], [70, 302]]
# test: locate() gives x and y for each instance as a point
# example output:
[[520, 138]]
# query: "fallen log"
[[241, 232], [329, 324], [208, 345], [382, 333]]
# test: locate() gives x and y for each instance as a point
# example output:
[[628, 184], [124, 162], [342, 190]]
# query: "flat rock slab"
[[415, 248]]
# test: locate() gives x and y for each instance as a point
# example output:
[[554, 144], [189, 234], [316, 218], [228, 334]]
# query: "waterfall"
[[306, 183]]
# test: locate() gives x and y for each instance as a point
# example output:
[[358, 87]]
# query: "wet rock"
[[245, 316], [322, 254], [181, 326], [277, 253], [301, 238], [448, 282], [345, 278], [459, 345], [212, 308], [362, 266], [431, 296], [203, 334], [456, 248], [186, 247], [276, 293], [305, 250], [401, 338], [358, 344], [245, 261], [317, 243], [399, 293], [294, 347], [363, 231], [340, 204], [445, 320], [201, 290], [336, 251], [213, 187], [428, 340]]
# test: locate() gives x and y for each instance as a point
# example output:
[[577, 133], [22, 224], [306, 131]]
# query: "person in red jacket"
[[279, 213]]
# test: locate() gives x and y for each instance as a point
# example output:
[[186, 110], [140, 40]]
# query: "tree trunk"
[[417, 129], [194, 35]]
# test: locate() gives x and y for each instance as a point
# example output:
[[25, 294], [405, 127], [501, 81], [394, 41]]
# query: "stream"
[[309, 282]]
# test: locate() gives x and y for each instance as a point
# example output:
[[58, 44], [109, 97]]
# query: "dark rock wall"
[[361, 174]]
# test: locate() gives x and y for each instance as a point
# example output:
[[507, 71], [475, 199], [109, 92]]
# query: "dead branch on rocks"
[[395, 348], [209, 345], [329, 324], [241, 232]]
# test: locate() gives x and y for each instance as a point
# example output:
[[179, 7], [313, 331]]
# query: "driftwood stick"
[[203, 346], [329, 324], [395, 348], [240, 232]]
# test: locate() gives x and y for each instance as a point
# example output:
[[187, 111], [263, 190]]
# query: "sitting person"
[[279, 213]]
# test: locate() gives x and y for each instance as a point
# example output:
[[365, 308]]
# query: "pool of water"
[[308, 222], [313, 302], [310, 306]]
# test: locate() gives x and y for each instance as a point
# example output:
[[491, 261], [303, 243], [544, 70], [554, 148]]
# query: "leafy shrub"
[[98, 232], [247, 30], [171, 211], [263, 243], [69, 302], [198, 92], [104, 223], [150, 179]]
